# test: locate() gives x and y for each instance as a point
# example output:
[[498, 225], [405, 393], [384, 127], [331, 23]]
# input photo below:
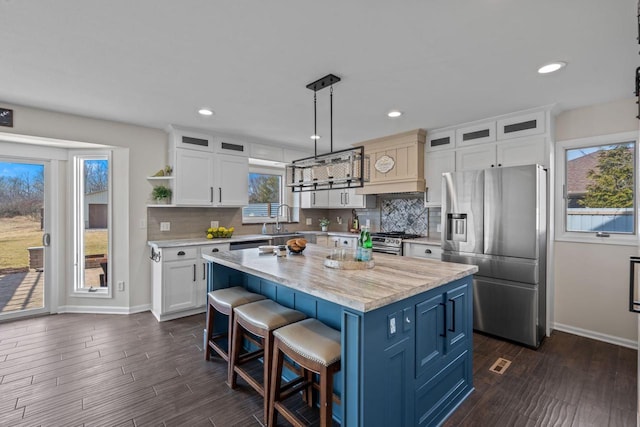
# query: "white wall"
[[591, 280], [143, 151]]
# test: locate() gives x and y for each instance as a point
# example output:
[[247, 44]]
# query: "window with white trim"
[[596, 194], [91, 223], [266, 194]]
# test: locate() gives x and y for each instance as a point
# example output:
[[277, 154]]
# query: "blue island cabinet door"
[[430, 334], [458, 330], [398, 373]]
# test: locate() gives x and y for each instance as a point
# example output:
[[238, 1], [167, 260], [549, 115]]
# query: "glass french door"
[[23, 237]]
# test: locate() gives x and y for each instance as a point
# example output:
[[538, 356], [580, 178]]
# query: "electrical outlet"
[[215, 224], [392, 322], [143, 223], [439, 228], [165, 226], [309, 221], [120, 285]]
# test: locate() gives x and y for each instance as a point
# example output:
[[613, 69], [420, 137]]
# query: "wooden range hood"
[[396, 163]]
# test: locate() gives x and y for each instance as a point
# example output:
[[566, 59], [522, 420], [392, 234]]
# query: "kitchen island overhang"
[[406, 327]]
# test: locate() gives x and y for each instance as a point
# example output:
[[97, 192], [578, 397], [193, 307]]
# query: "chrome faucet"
[[288, 216]]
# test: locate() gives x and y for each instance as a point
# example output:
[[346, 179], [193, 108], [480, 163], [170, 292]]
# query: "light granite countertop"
[[176, 243], [392, 279]]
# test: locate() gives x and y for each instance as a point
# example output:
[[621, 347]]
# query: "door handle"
[[194, 272], [46, 239], [453, 315], [346, 198], [211, 194], [314, 199], [444, 329], [220, 194], [204, 271]]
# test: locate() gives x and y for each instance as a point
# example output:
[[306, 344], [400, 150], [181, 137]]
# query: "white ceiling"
[[441, 62]]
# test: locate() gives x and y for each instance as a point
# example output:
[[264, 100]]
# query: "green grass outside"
[[19, 233]]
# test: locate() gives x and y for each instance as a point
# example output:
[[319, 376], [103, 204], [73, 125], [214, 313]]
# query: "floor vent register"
[[500, 365]]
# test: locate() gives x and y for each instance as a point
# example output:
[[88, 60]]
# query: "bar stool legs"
[[224, 301], [316, 349], [260, 319]]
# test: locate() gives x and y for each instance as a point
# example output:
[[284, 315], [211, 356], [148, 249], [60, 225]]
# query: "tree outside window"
[[264, 195], [600, 188]]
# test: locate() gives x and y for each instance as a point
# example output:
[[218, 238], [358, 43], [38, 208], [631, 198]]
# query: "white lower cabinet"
[[180, 281], [422, 250], [343, 242]]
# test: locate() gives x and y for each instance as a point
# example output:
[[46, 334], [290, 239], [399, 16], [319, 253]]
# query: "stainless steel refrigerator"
[[497, 219]]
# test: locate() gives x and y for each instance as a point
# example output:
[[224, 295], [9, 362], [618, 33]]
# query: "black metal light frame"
[[328, 184]]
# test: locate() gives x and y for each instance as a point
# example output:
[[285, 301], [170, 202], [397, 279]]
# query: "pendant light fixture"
[[333, 170]]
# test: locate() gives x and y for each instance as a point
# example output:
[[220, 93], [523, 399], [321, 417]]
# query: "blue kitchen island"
[[406, 327]]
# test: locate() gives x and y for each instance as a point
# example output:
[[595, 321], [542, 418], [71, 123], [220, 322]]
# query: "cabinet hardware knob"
[[427, 251], [215, 250], [181, 253], [407, 320]]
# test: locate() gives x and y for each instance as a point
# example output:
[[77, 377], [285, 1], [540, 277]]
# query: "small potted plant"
[[161, 194], [324, 224]]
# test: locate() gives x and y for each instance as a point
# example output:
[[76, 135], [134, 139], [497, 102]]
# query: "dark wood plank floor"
[[90, 370]]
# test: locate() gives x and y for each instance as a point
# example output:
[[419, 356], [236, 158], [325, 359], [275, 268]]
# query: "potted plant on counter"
[[324, 224], [161, 194]]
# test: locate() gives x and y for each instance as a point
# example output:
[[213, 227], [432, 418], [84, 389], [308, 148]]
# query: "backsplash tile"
[[407, 214]]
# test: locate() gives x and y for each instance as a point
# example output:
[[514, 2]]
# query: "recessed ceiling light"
[[551, 67], [394, 113], [205, 112], [315, 137]]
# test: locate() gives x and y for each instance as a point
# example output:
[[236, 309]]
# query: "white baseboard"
[[624, 342], [92, 309]]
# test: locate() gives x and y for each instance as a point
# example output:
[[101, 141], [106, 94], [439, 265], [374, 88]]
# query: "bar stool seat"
[[224, 301], [316, 348], [260, 319]]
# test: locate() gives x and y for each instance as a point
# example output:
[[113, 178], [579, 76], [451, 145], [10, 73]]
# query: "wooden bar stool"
[[316, 348], [259, 319], [224, 301]]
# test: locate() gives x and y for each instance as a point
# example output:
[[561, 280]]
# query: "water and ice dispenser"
[[457, 227]]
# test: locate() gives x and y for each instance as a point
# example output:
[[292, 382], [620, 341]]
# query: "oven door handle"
[[387, 251]]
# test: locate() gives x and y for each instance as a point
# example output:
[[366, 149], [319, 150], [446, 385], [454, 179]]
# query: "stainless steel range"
[[390, 242]]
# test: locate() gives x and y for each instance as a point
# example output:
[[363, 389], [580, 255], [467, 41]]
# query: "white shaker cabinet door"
[[194, 178], [522, 152], [232, 181], [314, 199], [436, 164], [482, 156], [179, 287]]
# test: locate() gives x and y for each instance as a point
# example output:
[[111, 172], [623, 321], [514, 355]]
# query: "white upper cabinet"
[[314, 199], [347, 198], [192, 140], [232, 180], [476, 134], [477, 157], [519, 126], [525, 151], [437, 163], [441, 140], [208, 171], [194, 178]]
